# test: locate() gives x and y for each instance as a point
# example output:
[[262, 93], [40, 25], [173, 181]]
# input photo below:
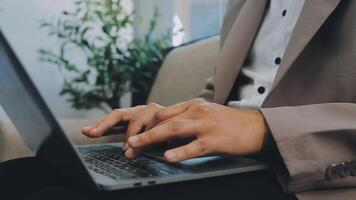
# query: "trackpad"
[[217, 163]]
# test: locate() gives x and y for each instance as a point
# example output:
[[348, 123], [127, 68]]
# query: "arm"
[[314, 141], [317, 143]]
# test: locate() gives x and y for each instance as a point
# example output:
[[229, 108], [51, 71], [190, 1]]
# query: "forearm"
[[310, 139]]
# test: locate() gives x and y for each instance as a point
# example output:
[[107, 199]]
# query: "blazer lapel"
[[312, 17], [236, 47]]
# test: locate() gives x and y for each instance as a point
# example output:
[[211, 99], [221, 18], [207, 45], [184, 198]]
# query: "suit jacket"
[[311, 110]]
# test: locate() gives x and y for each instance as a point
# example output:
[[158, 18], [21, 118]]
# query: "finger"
[[139, 121], [174, 142], [194, 149], [173, 129], [131, 153], [129, 112], [171, 111], [126, 146], [134, 128], [167, 113], [110, 121], [87, 129], [187, 115], [120, 128]]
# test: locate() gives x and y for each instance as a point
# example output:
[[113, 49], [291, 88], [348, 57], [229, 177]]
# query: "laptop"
[[101, 167]]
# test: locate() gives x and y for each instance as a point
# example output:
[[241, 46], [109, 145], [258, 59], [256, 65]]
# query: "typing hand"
[[137, 118], [216, 129]]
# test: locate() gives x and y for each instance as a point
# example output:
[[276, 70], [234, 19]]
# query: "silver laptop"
[[101, 167]]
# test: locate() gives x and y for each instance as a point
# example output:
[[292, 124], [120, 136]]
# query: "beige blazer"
[[311, 109]]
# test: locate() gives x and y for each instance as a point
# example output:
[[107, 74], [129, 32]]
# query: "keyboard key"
[[110, 161]]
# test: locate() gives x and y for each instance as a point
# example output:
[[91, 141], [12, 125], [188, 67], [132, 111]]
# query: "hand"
[[216, 129], [138, 117]]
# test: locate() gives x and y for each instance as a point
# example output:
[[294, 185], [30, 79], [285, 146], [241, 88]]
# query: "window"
[[188, 19]]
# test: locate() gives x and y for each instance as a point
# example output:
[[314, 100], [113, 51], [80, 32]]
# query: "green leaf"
[[111, 66]]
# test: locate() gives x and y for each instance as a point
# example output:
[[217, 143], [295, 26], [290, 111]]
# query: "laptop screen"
[[21, 101]]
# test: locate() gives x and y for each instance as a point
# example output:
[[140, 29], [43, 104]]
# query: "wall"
[[19, 21]]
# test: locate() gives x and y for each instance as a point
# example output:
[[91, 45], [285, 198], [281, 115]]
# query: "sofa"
[[181, 77]]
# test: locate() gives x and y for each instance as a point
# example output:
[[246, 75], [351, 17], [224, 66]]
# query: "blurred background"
[[58, 41]]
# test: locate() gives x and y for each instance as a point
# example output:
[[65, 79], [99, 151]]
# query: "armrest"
[[12, 146]]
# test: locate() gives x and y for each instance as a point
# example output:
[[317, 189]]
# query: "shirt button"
[[278, 60], [284, 13], [261, 90]]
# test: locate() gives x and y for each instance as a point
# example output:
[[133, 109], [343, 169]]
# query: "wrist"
[[266, 136]]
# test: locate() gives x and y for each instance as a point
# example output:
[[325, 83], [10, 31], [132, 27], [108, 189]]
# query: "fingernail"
[[171, 155], [134, 139], [126, 146], [86, 129], [92, 131], [129, 153]]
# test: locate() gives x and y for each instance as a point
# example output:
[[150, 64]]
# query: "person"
[[284, 90], [286, 78]]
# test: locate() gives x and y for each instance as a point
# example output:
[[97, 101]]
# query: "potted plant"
[[115, 64]]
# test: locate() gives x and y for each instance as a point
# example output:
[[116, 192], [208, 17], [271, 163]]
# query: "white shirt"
[[263, 60]]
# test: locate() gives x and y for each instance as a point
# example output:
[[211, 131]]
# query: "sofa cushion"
[[12, 145], [184, 72]]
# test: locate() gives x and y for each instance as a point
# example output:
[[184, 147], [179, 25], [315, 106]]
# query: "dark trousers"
[[32, 178]]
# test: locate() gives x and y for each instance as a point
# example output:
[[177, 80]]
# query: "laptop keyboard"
[[110, 161]]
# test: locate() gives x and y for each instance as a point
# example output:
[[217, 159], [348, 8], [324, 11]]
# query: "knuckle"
[[135, 109], [148, 137], [97, 123], [135, 120], [174, 126], [111, 120], [196, 101], [153, 105], [140, 107], [116, 111], [158, 116], [104, 125], [204, 108], [201, 146]]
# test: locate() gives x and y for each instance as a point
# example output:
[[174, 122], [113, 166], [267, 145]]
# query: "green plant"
[[115, 64]]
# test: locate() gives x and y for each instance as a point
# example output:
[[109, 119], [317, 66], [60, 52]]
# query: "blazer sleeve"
[[317, 144]]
